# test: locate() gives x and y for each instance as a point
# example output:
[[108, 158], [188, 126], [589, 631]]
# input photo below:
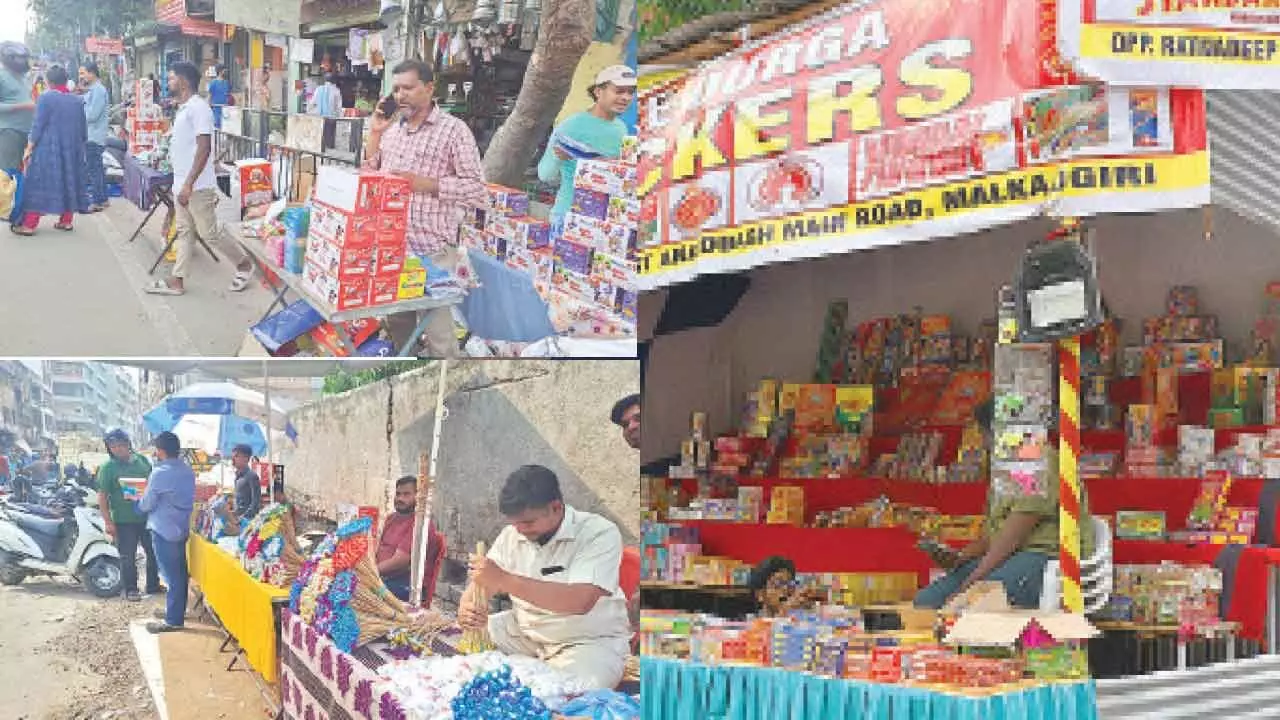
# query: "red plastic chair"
[[629, 580], [436, 547], [629, 572]]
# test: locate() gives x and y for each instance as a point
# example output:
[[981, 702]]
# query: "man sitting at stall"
[[1021, 536], [560, 567], [775, 591], [395, 550]]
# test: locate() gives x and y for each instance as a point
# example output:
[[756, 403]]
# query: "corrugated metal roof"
[[1244, 152]]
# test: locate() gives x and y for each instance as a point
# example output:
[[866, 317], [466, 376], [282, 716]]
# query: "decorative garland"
[[263, 542]]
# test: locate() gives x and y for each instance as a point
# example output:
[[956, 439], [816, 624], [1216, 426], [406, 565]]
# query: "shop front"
[[828, 261]]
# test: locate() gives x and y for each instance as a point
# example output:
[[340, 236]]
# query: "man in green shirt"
[[125, 524], [598, 129], [1021, 536]]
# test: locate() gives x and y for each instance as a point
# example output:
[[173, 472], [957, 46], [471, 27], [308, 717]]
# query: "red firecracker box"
[[343, 228], [341, 261]]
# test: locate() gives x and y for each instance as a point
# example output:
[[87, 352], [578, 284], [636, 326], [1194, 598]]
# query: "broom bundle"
[[290, 556], [381, 612], [476, 640]]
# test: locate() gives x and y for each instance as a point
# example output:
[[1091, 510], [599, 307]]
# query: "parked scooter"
[[38, 540]]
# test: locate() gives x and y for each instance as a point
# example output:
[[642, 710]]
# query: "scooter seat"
[[42, 525], [37, 510]]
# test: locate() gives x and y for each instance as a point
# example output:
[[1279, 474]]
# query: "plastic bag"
[[602, 705]]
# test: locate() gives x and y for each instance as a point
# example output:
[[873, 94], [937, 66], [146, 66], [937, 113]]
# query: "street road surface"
[[80, 294]]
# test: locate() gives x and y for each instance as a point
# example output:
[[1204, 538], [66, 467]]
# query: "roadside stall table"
[[283, 284], [675, 690], [149, 190], [247, 610], [319, 680]]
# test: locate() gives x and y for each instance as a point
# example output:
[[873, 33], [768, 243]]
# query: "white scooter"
[[35, 540]]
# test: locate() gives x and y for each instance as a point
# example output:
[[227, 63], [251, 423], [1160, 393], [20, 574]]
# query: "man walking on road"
[[248, 485], [191, 149], [437, 153], [95, 113], [124, 523], [167, 503]]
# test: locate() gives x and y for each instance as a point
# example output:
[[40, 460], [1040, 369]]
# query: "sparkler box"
[[614, 239], [607, 176]]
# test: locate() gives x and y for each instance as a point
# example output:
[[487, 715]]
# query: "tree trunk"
[[566, 32]]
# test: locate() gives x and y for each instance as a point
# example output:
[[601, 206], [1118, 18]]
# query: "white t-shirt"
[[195, 118]]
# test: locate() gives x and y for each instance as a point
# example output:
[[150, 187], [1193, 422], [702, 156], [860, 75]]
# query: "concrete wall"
[[281, 17], [500, 414], [774, 331]]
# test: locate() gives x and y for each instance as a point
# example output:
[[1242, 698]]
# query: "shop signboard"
[[1210, 44], [892, 121], [103, 46]]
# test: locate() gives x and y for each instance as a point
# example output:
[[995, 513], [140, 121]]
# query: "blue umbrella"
[[236, 407]]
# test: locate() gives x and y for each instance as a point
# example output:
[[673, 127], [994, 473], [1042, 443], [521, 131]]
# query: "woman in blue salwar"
[[54, 161]]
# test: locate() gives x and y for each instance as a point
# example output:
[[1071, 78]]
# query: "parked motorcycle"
[[38, 540]]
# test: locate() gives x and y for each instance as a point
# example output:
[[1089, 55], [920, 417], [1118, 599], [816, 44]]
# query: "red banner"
[[865, 67], [892, 121], [103, 46], [174, 12]]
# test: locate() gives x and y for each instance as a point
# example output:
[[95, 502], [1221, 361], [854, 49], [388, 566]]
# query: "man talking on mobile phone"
[[437, 154]]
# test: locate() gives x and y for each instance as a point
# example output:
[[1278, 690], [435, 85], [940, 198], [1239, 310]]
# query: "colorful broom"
[[477, 640]]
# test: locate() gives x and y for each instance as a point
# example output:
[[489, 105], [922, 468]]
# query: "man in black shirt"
[[248, 484]]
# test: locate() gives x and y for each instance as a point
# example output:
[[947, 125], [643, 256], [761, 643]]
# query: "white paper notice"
[[1057, 303], [302, 50]]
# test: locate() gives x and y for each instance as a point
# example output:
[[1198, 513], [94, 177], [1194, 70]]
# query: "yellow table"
[[244, 606]]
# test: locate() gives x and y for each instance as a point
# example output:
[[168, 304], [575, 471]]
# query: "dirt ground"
[[69, 655]]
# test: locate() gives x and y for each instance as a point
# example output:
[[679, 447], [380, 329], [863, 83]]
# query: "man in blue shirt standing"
[[219, 95], [167, 503], [95, 113]]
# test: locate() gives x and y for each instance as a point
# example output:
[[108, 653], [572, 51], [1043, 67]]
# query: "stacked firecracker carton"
[[356, 255], [504, 230], [145, 121], [596, 254], [593, 262]]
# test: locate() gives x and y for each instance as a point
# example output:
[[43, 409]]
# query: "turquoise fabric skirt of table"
[[675, 690]]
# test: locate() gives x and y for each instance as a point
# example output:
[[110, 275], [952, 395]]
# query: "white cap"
[[617, 75]]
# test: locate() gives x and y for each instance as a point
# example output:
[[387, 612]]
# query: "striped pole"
[[1069, 474]]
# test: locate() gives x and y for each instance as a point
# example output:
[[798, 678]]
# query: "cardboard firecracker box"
[[362, 192], [326, 336], [251, 183], [1140, 524]]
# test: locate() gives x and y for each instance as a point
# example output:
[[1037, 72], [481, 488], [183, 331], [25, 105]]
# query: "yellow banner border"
[[1174, 172], [1096, 43]]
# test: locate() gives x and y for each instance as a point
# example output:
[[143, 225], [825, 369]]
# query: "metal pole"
[[426, 490], [266, 397]]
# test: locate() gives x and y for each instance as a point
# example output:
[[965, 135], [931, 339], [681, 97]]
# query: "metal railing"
[[264, 133]]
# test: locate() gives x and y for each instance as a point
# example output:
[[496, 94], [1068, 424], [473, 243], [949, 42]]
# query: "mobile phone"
[[388, 106]]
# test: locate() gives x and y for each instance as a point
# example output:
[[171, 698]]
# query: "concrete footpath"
[[80, 293]]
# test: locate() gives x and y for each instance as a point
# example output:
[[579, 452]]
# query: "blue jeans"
[[173, 566], [96, 174], [399, 586], [1022, 575]]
